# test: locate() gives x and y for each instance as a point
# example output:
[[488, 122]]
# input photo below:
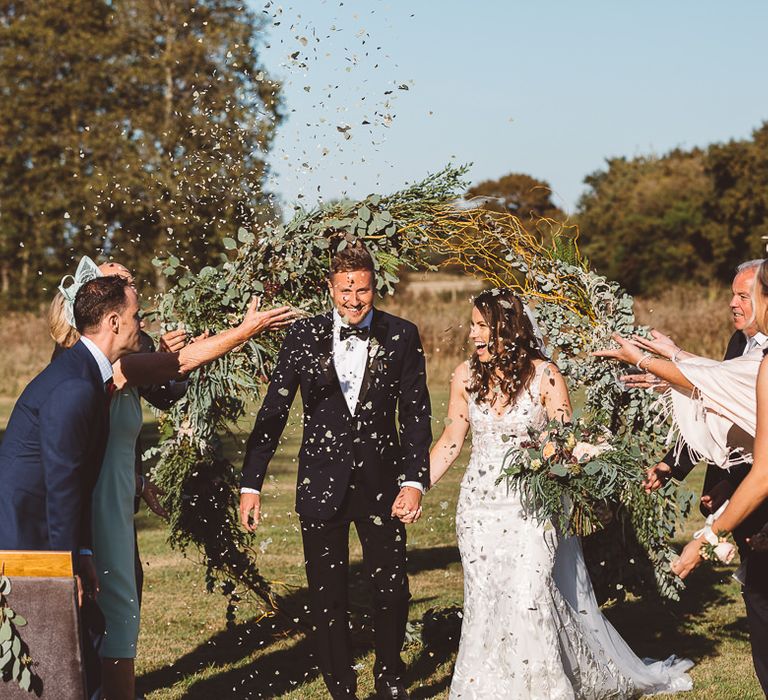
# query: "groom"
[[364, 459]]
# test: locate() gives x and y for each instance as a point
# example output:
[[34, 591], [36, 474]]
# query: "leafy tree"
[[131, 126], [521, 195], [642, 220], [738, 209]]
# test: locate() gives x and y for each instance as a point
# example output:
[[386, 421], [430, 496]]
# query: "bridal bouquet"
[[569, 473]]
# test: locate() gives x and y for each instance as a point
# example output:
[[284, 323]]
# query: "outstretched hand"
[[628, 351], [256, 322], [407, 505], [173, 341], [658, 343], [656, 476], [643, 381]]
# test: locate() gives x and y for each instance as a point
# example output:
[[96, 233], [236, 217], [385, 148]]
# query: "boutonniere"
[[375, 355]]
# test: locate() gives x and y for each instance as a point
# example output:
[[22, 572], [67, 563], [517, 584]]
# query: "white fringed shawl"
[[724, 395]]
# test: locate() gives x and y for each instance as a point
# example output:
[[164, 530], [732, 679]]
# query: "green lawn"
[[185, 650]]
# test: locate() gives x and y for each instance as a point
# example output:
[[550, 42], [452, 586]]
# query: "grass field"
[[185, 650]]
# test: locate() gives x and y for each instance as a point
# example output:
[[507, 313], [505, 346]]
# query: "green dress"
[[113, 538]]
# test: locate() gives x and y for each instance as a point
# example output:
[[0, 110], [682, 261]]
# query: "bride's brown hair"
[[513, 347]]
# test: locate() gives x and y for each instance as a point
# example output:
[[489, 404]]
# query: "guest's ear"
[[113, 322]]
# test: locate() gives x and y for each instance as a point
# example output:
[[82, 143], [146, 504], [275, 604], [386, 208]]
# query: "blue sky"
[[546, 87]]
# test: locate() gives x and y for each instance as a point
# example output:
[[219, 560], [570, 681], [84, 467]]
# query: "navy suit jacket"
[[51, 455]]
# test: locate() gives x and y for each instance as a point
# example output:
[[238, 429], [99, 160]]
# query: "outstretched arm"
[[449, 444], [630, 353], [141, 369]]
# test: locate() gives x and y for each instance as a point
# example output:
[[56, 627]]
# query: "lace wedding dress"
[[532, 629]]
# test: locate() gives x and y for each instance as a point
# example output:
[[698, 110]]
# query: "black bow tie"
[[357, 331]]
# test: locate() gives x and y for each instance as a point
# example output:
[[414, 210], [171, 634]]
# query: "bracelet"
[[675, 354], [142, 485], [639, 363]]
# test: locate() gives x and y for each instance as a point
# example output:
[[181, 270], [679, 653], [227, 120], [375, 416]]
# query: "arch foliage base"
[[577, 309]]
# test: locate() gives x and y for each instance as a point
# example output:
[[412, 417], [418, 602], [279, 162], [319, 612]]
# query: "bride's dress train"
[[532, 629]]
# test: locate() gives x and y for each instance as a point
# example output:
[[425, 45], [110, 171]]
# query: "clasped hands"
[[407, 507]]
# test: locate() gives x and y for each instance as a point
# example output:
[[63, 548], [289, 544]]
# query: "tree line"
[[127, 127], [687, 215], [140, 127]]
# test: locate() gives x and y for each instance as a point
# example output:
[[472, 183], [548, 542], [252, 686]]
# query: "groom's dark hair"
[[98, 297], [352, 258]]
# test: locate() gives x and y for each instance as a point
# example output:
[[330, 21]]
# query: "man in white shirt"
[[364, 459]]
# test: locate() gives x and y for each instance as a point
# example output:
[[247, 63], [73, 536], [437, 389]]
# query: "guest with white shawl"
[[718, 412]]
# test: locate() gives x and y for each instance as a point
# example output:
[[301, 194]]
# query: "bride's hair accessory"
[[87, 270]]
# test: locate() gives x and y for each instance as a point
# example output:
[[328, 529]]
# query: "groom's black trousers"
[[326, 554]]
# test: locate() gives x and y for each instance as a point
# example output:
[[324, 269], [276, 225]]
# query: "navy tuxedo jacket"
[[385, 442], [51, 455]]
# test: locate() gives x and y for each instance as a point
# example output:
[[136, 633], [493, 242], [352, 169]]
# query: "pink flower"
[[725, 551], [585, 450]]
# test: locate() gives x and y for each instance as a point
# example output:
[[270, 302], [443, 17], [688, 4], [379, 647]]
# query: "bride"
[[531, 626]]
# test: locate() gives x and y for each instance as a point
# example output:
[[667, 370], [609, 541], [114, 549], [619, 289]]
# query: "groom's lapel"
[[376, 347], [325, 350]]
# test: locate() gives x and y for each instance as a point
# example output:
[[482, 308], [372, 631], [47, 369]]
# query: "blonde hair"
[[62, 333]]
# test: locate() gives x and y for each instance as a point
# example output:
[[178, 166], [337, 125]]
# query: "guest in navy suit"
[[54, 443]]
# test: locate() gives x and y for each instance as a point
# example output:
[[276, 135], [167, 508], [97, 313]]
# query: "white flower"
[[725, 551], [585, 450]]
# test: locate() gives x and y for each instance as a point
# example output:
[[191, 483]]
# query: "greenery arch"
[[576, 308]]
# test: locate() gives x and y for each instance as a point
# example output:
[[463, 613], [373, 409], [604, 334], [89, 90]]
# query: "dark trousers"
[[326, 554], [755, 593]]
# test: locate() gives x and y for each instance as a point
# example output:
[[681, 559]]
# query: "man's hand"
[[407, 505], [689, 558], [151, 495], [87, 580], [173, 341], [250, 510], [657, 476]]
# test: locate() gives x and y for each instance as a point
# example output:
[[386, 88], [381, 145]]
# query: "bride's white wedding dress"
[[532, 629]]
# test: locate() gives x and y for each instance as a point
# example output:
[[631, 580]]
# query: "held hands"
[[256, 321], [250, 510], [407, 505]]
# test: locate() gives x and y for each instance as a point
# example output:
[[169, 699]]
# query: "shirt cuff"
[[245, 489], [414, 485]]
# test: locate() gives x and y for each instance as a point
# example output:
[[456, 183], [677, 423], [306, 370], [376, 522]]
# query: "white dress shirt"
[[105, 366], [349, 359], [756, 341]]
